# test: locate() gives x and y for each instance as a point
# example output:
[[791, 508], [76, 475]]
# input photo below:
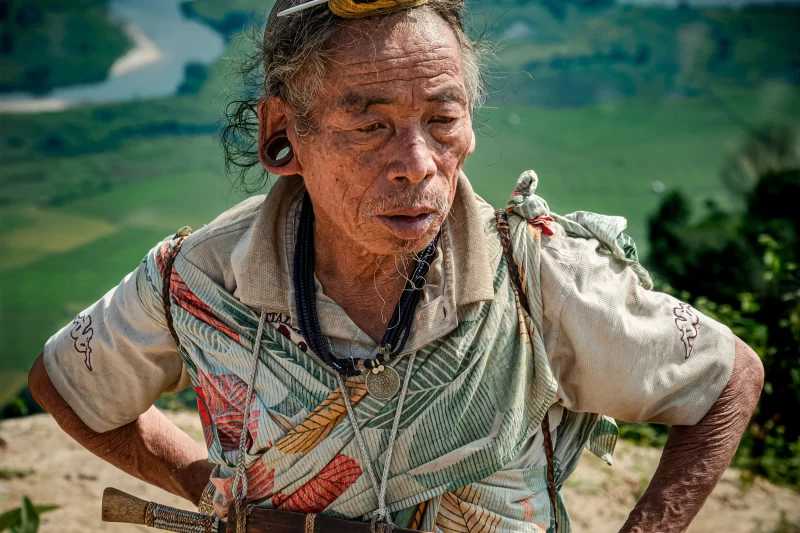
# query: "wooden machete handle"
[[122, 507]]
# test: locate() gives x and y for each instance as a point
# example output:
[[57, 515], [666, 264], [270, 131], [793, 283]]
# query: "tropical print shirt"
[[469, 453]]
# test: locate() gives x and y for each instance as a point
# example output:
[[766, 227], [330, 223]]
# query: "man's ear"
[[273, 118], [471, 143]]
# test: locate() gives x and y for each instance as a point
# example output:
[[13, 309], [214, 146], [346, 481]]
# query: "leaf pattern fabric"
[[320, 422], [223, 399], [260, 485], [323, 489], [468, 456], [461, 512]]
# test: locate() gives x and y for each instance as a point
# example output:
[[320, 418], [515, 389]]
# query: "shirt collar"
[[263, 259]]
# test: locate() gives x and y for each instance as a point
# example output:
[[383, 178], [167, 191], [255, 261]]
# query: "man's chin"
[[378, 238], [410, 246]]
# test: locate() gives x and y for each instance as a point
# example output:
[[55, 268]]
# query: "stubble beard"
[[404, 250]]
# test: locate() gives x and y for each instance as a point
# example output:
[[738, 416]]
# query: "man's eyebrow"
[[449, 94], [359, 103]]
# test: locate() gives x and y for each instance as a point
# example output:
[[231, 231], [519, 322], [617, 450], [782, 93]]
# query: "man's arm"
[[150, 448], [695, 457]]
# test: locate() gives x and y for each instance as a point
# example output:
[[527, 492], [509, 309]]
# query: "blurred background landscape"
[[681, 116]]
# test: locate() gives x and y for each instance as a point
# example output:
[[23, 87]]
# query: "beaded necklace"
[[382, 382]]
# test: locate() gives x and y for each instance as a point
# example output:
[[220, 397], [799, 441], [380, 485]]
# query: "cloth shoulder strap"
[[513, 270], [205, 506], [165, 285]]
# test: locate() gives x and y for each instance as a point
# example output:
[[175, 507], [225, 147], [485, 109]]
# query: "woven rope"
[[310, 518], [165, 286], [180, 521], [359, 439], [206, 504], [516, 283], [240, 477], [155, 514], [392, 438], [381, 515], [148, 514], [551, 471]]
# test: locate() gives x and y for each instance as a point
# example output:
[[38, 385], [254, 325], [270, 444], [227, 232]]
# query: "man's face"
[[391, 132]]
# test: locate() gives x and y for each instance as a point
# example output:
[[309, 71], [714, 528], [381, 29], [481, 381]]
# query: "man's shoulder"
[[563, 247], [230, 225], [211, 247]]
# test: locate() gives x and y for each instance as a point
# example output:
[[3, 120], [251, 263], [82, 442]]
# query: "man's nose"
[[414, 160]]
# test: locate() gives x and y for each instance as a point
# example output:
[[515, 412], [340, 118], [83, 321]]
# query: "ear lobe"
[[273, 119], [471, 142]]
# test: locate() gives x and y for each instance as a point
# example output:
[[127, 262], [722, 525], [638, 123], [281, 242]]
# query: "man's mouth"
[[408, 227]]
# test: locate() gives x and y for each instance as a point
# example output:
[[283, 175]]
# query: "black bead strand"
[[306, 300]]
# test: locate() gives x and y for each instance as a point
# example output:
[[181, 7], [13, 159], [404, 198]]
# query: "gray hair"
[[290, 60]]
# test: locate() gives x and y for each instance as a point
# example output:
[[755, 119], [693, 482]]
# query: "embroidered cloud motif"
[[81, 333], [686, 321]]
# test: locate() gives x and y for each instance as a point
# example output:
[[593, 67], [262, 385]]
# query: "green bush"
[[744, 263], [24, 519]]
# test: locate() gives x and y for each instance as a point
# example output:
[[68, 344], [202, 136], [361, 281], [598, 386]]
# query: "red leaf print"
[[225, 398], [260, 483], [323, 489], [188, 300], [205, 418], [161, 257], [185, 298]]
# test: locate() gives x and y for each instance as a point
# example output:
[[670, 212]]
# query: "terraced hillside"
[[610, 104]]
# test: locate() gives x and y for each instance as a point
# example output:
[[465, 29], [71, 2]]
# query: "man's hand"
[[695, 457], [151, 448]]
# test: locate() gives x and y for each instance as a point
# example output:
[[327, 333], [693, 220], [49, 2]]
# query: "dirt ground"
[[37, 459]]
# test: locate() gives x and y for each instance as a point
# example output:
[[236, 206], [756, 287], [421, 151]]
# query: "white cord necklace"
[[381, 514]]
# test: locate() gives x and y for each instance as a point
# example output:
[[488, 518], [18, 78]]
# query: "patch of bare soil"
[[37, 459]]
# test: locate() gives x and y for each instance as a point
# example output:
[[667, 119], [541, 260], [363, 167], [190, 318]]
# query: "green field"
[[47, 44], [86, 192]]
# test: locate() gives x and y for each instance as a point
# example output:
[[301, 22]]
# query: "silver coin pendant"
[[382, 382]]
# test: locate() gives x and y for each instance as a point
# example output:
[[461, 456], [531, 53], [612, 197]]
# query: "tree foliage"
[[741, 267]]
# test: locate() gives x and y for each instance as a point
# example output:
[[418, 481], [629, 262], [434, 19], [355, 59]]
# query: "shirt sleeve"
[[114, 359], [623, 351]]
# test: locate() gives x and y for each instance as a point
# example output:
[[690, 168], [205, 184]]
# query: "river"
[[164, 42]]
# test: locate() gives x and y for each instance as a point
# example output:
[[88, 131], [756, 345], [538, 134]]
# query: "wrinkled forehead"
[[414, 46], [409, 32]]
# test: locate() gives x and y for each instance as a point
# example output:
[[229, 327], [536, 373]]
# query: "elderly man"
[[371, 341]]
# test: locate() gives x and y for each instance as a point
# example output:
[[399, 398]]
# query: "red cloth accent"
[[544, 222]]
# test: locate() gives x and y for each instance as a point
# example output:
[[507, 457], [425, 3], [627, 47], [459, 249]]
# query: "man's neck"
[[366, 286]]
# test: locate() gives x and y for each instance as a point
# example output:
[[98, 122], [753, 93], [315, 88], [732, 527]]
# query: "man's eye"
[[443, 120], [375, 126]]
